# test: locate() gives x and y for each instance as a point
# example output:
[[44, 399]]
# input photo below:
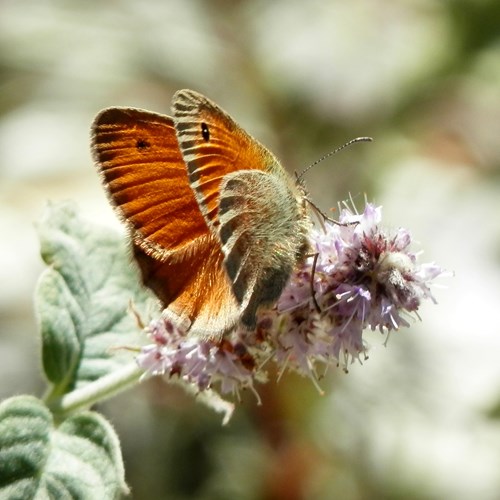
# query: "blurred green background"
[[419, 419]]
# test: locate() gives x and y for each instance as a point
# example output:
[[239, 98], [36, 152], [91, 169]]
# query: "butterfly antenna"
[[335, 151]]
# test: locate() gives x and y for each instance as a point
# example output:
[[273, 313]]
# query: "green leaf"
[[78, 460], [82, 299]]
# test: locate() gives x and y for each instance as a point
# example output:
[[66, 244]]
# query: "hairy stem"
[[96, 391]]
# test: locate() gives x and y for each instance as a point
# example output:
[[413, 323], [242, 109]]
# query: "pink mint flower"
[[361, 278]]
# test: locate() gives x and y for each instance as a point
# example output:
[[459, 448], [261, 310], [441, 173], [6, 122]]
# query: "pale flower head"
[[361, 278]]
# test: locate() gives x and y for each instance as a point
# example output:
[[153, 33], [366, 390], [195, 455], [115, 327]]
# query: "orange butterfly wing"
[[247, 198], [213, 145], [180, 259]]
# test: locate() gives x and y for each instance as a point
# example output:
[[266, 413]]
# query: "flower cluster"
[[359, 277]]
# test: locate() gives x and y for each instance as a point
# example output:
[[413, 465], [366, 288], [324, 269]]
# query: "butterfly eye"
[[142, 144], [205, 132]]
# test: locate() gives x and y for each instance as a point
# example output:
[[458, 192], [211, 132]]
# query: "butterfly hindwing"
[[195, 287], [263, 237]]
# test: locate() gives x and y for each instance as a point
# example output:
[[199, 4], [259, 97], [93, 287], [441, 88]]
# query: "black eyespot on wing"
[[142, 144], [205, 132]]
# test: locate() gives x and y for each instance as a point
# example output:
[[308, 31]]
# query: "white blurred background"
[[419, 419]]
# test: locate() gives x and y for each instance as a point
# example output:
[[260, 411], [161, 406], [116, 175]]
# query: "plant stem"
[[96, 391]]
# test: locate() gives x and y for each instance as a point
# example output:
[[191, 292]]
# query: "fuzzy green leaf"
[[78, 460], [82, 299]]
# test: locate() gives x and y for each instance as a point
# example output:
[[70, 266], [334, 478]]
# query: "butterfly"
[[217, 225]]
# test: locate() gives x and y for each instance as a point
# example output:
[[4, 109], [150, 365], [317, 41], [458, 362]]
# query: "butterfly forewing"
[[213, 145], [180, 259], [145, 176]]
